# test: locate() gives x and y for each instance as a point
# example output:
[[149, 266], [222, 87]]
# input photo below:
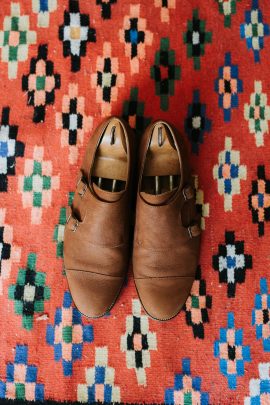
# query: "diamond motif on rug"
[[259, 388], [10, 149], [133, 111], [21, 379], [165, 72], [257, 113], [75, 33], [37, 184], [9, 252], [137, 342], [40, 84], [165, 7], [187, 389], [73, 122], [202, 207], [197, 123], [43, 8], [195, 38], [227, 8], [228, 86], [15, 39], [30, 292], [261, 315], [58, 235], [107, 80], [106, 8], [68, 335], [259, 200], [229, 173], [231, 262], [231, 352], [254, 30], [136, 37], [99, 385], [197, 305]]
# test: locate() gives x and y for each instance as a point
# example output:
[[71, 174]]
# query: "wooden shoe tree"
[[162, 166], [110, 165]]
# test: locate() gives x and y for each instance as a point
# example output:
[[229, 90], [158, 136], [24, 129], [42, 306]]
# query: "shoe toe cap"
[[93, 294], [163, 298]]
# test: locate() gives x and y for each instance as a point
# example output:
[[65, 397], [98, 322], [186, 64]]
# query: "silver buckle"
[[78, 182], [68, 218], [75, 226], [83, 191], [185, 195], [190, 232]]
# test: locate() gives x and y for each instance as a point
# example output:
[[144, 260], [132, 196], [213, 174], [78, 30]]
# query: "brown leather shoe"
[[166, 240], [96, 239]]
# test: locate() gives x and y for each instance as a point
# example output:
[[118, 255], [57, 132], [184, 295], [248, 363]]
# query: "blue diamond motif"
[[261, 315], [82, 332], [231, 360], [180, 386], [254, 30]]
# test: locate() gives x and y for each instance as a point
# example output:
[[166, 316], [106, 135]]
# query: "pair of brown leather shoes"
[[97, 233]]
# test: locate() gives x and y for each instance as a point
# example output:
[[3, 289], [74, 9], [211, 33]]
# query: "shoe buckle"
[[68, 218], [75, 226], [78, 182], [188, 193], [82, 191], [194, 230]]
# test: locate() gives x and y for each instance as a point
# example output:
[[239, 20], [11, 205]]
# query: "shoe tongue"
[[104, 195], [159, 198]]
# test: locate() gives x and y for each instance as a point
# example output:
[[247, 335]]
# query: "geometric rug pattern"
[[203, 66]]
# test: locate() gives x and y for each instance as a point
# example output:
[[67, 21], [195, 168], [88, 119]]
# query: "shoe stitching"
[[139, 246], [153, 277], [107, 246], [94, 272]]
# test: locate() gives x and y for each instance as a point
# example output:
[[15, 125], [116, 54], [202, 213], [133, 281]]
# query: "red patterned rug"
[[202, 65]]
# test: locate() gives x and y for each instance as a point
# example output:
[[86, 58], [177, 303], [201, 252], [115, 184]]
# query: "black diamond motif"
[[231, 262], [75, 33], [259, 200], [10, 148]]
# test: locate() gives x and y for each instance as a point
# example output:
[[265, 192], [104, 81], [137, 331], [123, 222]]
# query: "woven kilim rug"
[[203, 66]]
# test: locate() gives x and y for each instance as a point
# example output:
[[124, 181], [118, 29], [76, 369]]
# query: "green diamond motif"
[[29, 292], [196, 37], [37, 184], [58, 235], [257, 113], [133, 111], [165, 72], [227, 8], [15, 39]]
